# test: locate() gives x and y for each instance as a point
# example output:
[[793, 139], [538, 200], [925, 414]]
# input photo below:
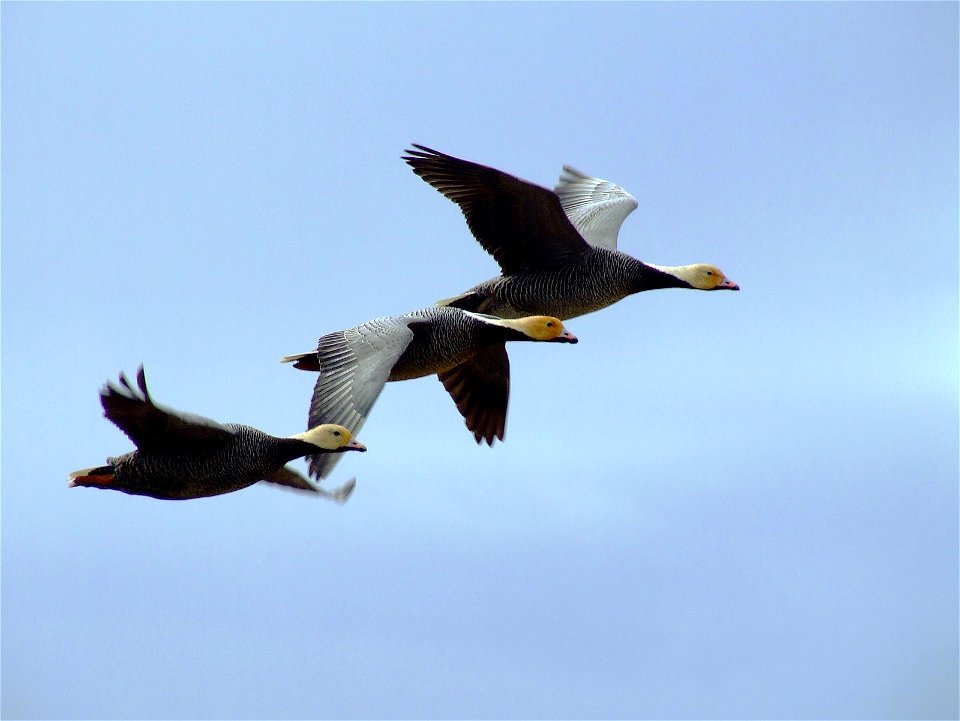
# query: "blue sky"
[[729, 505]]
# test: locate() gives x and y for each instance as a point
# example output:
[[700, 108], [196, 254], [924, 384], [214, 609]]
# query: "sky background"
[[727, 505]]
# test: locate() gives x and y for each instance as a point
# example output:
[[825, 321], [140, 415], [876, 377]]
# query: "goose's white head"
[[703, 277], [543, 328], [330, 437]]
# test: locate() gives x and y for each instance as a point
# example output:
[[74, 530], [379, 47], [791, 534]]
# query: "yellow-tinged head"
[[330, 437], [705, 277], [542, 327]]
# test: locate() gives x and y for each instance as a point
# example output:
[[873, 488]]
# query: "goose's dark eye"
[[709, 272], [549, 324], [336, 433]]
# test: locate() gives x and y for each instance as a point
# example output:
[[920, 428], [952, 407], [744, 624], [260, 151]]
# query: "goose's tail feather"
[[96, 476]]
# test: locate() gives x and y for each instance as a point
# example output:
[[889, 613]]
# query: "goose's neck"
[[293, 447], [498, 330], [503, 329], [655, 277]]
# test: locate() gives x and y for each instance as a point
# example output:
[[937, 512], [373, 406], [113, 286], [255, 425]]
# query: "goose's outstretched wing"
[[522, 225], [288, 477], [151, 426], [596, 207], [354, 365], [481, 389]]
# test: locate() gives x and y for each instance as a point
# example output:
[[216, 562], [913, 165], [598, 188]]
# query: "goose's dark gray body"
[[442, 339], [599, 278], [178, 473]]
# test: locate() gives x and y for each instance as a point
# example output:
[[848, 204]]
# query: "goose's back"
[[442, 338]]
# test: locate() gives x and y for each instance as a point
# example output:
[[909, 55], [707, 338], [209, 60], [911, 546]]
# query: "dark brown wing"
[[151, 426], [290, 478], [481, 388], [522, 225]]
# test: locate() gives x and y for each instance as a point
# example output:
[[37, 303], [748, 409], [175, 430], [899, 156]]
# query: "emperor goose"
[[465, 349], [180, 455], [557, 250]]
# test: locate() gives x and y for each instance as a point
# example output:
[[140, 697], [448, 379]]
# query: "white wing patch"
[[596, 207]]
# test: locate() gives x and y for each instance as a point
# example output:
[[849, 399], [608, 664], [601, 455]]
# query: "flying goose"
[[181, 455], [557, 249], [464, 349]]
